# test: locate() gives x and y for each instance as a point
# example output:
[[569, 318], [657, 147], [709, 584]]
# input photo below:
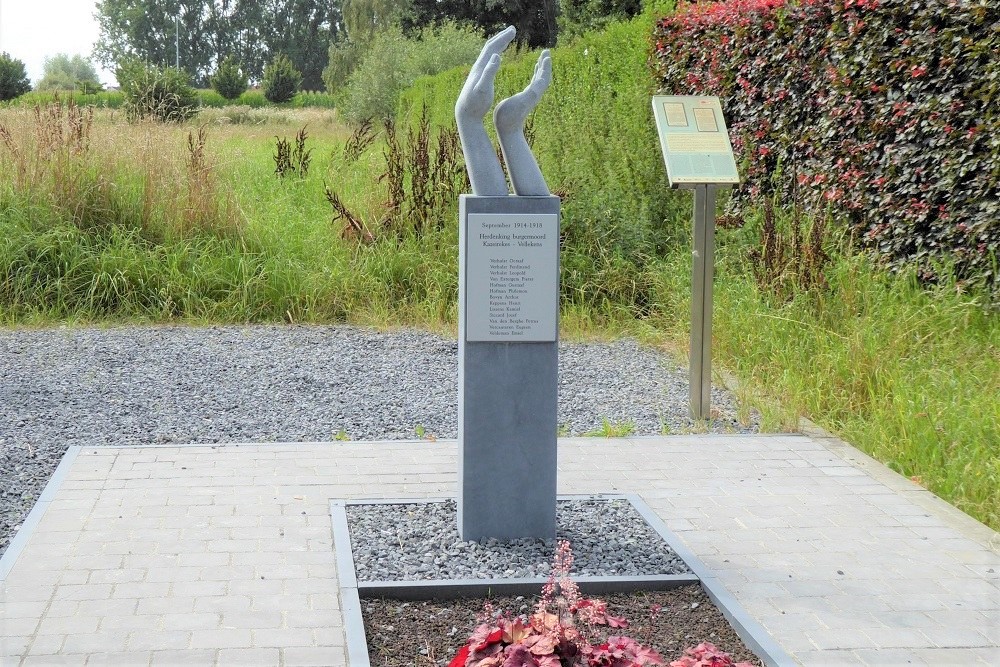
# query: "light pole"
[[177, 41]]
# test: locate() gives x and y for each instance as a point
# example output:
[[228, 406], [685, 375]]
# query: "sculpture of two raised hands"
[[509, 117]]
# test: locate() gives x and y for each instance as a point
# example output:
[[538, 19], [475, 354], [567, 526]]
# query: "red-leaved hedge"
[[885, 111]]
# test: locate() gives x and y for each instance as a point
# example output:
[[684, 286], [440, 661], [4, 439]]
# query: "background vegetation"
[[103, 220], [878, 111], [13, 78], [195, 35], [69, 73]]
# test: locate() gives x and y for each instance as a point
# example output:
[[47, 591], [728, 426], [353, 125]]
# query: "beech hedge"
[[882, 112]]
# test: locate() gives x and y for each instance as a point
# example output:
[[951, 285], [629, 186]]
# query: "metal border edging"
[[20, 541], [750, 631], [350, 601]]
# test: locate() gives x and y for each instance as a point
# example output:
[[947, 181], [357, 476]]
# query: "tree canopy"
[[65, 72], [206, 31], [13, 78], [535, 20]]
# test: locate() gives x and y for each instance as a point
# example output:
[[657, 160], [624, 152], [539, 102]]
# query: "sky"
[[31, 30]]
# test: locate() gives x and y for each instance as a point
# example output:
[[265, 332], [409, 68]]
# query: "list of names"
[[512, 270]]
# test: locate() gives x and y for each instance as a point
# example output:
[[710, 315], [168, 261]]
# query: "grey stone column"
[[507, 393]]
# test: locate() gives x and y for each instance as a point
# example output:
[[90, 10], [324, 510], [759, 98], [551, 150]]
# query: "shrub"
[[13, 78], [228, 80], [253, 98], [281, 80], [876, 109], [562, 630], [393, 62], [163, 94], [207, 97]]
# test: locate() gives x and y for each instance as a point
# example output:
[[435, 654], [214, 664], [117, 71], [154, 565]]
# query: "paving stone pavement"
[[219, 555]]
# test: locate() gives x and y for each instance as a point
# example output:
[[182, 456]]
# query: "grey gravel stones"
[[160, 385], [417, 542]]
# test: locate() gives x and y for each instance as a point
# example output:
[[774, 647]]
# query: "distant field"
[[113, 99]]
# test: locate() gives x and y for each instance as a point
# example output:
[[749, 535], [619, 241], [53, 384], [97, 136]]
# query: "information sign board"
[[694, 140], [512, 277]]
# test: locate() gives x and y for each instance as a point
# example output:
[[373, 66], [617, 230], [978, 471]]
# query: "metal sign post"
[[703, 271], [699, 156]]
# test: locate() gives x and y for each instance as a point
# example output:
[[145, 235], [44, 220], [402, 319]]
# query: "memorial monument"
[[508, 315]]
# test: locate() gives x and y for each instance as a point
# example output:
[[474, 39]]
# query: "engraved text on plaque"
[[512, 273]]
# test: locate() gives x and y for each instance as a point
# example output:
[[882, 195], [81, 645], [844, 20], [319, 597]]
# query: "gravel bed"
[[156, 385], [401, 542]]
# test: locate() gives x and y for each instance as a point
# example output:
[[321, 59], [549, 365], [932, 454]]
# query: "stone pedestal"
[[508, 366]]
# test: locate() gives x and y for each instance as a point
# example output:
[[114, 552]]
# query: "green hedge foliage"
[[595, 141], [105, 99], [884, 112]]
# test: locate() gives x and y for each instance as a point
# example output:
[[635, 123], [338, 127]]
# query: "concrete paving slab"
[[212, 555]]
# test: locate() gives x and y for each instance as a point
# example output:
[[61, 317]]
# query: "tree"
[[535, 20], [578, 16], [342, 59], [364, 18], [228, 80], [281, 80], [13, 78], [62, 72], [303, 30], [251, 30], [154, 31], [392, 62]]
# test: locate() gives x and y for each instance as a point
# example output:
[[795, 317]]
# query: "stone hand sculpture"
[[474, 102]]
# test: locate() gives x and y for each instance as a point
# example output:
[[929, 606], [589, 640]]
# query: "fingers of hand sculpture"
[[484, 86], [494, 47], [498, 42], [545, 55], [477, 98], [511, 112], [543, 73]]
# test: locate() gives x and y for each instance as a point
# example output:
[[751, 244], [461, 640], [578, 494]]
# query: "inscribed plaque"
[[512, 277]]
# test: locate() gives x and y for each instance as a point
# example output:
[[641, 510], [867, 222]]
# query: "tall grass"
[[156, 222], [908, 373]]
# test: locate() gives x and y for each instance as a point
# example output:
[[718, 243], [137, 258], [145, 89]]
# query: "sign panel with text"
[[694, 140]]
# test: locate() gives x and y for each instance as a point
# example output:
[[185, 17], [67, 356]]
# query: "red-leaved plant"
[[706, 655], [560, 633]]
